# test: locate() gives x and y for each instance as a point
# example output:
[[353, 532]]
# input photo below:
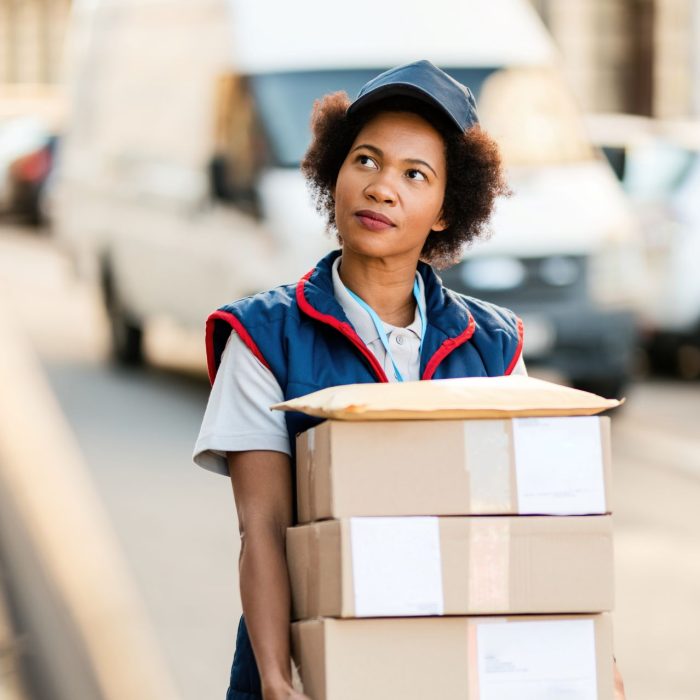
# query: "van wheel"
[[662, 351], [127, 338], [126, 331]]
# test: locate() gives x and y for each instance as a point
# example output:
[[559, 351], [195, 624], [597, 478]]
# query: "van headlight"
[[493, 273], [559, 270]]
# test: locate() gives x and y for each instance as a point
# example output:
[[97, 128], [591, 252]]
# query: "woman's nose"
[[380, 190]]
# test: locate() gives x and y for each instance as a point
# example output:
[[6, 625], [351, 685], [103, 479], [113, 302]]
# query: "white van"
[[179, 186]]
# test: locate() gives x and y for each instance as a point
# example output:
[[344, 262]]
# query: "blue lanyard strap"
[[379, 325]]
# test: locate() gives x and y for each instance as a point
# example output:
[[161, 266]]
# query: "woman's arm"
[[262, 489]]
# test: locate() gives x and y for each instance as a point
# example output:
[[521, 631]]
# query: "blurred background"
[[149, 155]]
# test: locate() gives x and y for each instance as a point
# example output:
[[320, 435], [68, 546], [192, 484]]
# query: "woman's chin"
[[370, 250], [373, 244]]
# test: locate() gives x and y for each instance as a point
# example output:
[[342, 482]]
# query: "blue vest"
[[301, 333]]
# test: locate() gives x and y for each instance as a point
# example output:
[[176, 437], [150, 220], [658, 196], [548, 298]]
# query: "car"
[[658, 163], [26, 155], [29, 178]]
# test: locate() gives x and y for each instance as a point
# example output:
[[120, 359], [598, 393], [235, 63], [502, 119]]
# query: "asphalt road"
[[177, 523]]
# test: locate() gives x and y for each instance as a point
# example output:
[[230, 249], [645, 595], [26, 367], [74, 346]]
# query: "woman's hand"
[[288, 695], [619, 685], [283, 692]]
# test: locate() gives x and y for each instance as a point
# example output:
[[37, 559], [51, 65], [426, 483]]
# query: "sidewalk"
[[11, 687]]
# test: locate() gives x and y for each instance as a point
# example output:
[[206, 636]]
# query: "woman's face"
[[390, 187]]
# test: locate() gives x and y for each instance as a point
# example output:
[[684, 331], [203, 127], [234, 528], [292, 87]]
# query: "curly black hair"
[[475, 175]]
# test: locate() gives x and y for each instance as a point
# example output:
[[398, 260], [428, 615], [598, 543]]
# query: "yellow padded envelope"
[[467, 397]]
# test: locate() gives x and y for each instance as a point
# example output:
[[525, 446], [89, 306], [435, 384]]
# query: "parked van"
[[179, 187]]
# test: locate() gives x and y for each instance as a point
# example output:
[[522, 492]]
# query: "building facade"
[[32, 33], [636, 56]]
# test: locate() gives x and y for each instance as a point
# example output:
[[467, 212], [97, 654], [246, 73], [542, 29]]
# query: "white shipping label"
[[559, 465], [537, 660], [396, 566]]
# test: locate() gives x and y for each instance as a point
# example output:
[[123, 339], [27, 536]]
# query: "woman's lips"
[[373, 221]]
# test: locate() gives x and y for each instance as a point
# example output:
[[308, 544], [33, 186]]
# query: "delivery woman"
[[406, 178]]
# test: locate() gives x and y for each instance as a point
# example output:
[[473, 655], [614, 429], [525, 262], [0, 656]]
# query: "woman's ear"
[[440, 224]]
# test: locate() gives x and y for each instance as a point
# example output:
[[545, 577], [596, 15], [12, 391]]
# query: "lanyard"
[[380, 326]]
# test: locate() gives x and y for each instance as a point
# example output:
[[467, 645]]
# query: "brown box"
[[456, 658], [511, 466], [394, 567]]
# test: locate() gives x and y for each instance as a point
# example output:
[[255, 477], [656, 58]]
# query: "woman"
[[406, 177]]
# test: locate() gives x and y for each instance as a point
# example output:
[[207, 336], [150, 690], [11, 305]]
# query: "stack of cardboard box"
[[464, 558]]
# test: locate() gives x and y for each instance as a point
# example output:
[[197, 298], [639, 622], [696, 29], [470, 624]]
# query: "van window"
[[284, 102], [529, 111], [533, 116], [656, 170], [238, 148]]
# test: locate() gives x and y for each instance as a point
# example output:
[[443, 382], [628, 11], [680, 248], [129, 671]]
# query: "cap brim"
[[402, 90]]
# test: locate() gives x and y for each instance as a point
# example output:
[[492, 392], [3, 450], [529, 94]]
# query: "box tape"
[[489, 564], [311, 470], [488, 459]]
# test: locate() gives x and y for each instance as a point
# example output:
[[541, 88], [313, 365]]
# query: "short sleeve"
[[520, 367], [238, 415]]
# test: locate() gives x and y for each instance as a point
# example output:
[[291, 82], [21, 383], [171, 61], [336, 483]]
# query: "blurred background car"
[[29, 177], [658, 163], [26, 156]]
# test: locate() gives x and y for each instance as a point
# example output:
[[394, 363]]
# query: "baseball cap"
[[425, 82]]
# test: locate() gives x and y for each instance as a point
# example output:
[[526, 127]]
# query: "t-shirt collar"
[[359, 318]]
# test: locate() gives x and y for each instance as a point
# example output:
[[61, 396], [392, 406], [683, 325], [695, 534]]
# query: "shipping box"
[[518, 466], [384, 567], [456, 658]]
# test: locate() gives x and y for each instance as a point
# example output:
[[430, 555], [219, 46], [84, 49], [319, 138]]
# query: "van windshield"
[[528, 110], [284, 102]]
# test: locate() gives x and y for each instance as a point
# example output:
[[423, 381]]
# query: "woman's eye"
[[416, 175], [366, 160]]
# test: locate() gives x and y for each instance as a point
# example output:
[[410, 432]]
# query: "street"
[[177, 523]]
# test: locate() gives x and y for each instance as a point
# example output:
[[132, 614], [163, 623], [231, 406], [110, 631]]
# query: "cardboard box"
[[456, 658], [511, 466], [395, 567]]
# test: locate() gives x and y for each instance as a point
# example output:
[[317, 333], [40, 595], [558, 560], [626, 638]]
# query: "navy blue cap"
[[426, 82]]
